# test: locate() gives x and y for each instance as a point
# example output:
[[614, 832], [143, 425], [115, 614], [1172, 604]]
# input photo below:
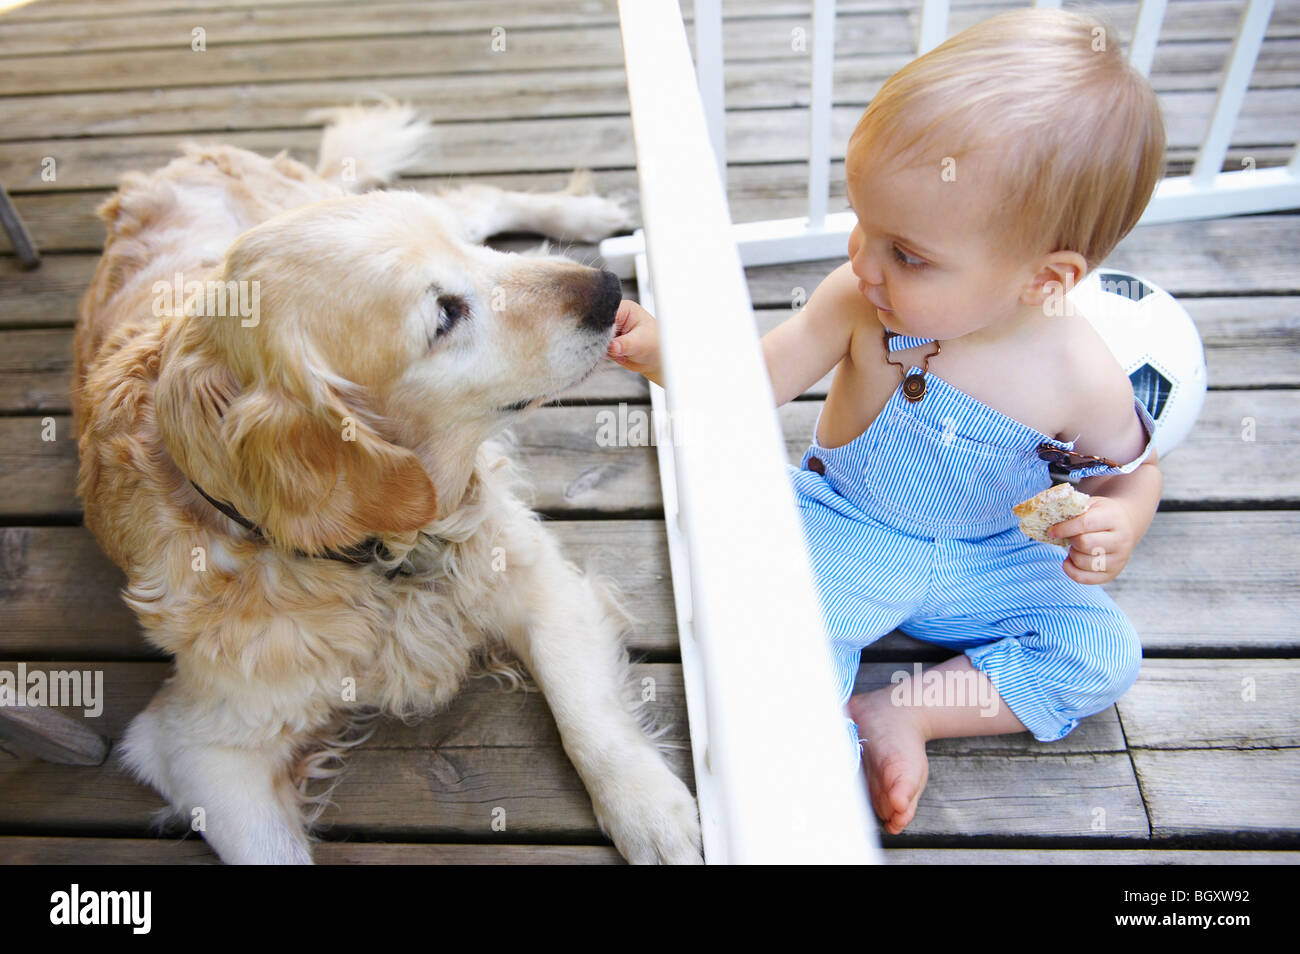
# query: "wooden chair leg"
[[51, 736], [24, 247]]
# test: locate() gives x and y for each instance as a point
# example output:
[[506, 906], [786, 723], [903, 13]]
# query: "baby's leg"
[[1063, 663], [897, 720]]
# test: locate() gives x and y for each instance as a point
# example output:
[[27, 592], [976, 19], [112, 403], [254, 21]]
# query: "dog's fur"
[[354, 407]]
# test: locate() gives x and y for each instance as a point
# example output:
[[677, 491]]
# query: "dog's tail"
[[366, 146]]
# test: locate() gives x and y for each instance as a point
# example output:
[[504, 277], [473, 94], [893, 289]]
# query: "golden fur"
[[364, 398]]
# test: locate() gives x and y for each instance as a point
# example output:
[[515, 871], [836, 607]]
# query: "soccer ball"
[[1156, 343]]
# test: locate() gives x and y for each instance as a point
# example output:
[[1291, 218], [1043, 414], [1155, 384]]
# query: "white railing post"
[[709, 65], [755, 655], [934, 25], [821, 97], [1146, 32], [1232, 90]]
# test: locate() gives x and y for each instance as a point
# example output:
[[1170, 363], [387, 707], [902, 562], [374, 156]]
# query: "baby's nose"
[[865, 268]]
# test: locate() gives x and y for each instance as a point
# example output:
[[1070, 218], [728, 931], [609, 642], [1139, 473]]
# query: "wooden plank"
[[36, 371], [1188, 67], [35, 850], [1085, 856], [388, 793], [879, 29], [1062, 796], [1194, 792], [732, 9], [1183, 588], [411, 53], [57, 850], [430, 794], [161, 29], [26, 850], [47, 295], [1249, 341], [1224, 463], [39, 850], [1219, 463], [1220, 703], [775, 135], [61, 594]]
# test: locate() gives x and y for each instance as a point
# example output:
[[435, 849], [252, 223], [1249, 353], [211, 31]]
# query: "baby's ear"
[[318, 477], [1057, 273]]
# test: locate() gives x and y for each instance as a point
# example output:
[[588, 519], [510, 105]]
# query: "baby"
[[988, 177]]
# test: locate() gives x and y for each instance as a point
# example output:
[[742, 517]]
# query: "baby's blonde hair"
[[1080, 133]]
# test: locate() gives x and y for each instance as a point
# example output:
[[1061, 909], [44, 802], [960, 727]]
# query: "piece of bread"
[[1054, 505]]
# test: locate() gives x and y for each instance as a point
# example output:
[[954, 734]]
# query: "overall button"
[[816, 466]]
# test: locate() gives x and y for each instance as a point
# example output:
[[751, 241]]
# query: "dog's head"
[[366, 341]]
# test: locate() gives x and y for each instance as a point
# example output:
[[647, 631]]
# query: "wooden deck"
[[1199, 762]]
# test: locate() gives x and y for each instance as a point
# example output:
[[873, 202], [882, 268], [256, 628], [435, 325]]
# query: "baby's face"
[[924, 249]]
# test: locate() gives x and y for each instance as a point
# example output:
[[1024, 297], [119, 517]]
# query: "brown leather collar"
[[360, 554]]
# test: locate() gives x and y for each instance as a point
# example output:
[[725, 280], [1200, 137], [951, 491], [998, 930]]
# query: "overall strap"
[[899, 342]]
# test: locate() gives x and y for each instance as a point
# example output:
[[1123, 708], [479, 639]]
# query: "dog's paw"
[[651, 816], [593, 217], [588, 217]]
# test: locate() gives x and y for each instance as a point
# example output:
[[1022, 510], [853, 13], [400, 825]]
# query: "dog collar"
[[361, 554]]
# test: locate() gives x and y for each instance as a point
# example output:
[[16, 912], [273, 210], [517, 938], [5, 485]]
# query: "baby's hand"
[[636, 342], [1101, 540]]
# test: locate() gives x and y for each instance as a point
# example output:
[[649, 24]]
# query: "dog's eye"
[[451, 309]]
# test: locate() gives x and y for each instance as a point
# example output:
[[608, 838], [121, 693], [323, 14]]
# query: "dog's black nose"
[[604, 302]]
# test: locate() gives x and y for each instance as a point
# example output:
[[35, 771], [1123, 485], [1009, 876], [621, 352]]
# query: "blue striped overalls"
[[910, 526]]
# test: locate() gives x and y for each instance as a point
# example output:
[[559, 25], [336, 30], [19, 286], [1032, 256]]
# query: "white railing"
[[770, 746], [755, 660], [1206, 193]]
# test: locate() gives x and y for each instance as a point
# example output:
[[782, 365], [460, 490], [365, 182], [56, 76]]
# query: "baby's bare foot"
[[894, 755]]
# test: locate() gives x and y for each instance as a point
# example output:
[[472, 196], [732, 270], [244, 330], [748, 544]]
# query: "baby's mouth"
[[862, 287]]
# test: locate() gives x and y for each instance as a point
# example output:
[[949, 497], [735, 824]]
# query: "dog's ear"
[[316, 475], [309, 471]]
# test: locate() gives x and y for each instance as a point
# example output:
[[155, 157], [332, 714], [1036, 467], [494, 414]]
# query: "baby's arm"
[[1123, 505], [799, 351]]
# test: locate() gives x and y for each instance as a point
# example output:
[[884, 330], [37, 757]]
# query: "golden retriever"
[[286, 394]]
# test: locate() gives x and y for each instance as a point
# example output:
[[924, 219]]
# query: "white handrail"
[[769, 740]]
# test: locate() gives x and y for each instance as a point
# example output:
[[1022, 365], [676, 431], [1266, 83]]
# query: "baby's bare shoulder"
[[1100, 390]]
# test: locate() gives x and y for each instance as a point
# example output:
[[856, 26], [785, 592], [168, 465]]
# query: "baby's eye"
[[906, 259]]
